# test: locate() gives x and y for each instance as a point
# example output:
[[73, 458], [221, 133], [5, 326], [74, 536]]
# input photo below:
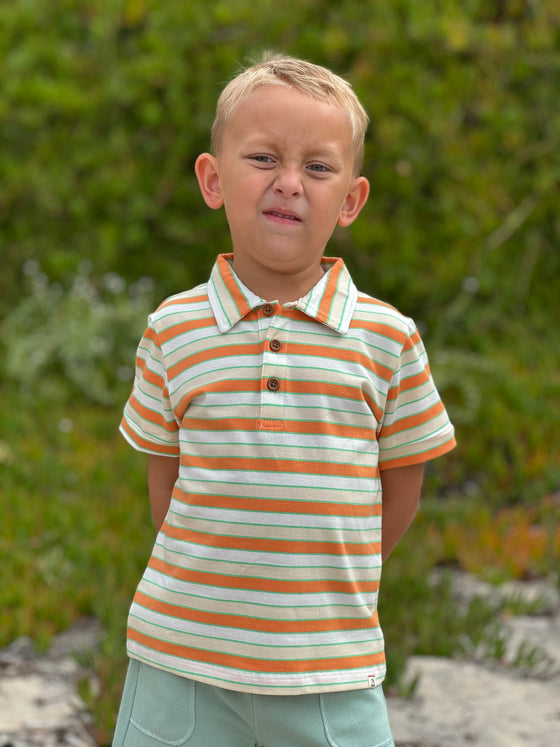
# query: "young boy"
[[284, 414]]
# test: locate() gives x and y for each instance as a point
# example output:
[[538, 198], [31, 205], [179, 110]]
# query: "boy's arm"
[[162, 474], [401, 494]]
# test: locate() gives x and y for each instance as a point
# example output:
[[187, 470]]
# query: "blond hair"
[[305, 77]]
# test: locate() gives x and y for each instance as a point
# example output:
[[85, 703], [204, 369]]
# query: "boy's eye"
[[318, 168], [261, 158]]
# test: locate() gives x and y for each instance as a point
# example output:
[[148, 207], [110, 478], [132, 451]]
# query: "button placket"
[[273, 373]]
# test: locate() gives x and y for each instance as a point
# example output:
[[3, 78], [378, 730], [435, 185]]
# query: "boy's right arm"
[[162, 474]]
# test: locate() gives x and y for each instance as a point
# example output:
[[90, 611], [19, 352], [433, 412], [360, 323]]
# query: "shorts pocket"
[[163, 709], [356, 718]]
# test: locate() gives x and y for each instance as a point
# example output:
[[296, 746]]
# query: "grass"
[[76, 534]]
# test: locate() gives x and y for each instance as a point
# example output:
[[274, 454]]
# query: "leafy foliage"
[[60, 342], [105, 106]]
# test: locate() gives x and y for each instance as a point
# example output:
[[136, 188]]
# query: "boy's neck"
[[278, 287]]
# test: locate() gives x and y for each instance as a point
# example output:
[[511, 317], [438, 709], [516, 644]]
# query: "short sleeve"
[[415, 427], [148, 422]]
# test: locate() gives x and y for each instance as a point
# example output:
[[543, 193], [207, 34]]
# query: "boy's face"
[[285, 175]]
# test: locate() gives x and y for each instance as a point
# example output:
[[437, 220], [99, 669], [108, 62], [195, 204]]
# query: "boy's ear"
[[206, 172], [355, 200]]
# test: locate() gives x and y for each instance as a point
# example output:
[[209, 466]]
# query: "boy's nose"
[[288, 184]]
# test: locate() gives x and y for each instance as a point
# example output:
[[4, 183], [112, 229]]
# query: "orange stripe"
[[289, 426], [251, 623], [296, 466], [341, 354], [412, 341], [184, 299], [152, 417], [278, 506], [149, 376], [184, 328], [319, 388], [215, 353], [226, 273], [222, 387], [369, 301], [256, 665], [268, 545], [425, 456], [319, 352], [268, 585], [379, 328], [413, 421], [150, 445], [324, 309], [411, 382], [151, 335], [329, 389], [375, 409]]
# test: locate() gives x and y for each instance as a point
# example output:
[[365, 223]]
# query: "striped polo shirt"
[[264, 577]]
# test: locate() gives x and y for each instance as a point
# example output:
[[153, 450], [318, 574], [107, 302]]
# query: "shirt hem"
[[365, 679]]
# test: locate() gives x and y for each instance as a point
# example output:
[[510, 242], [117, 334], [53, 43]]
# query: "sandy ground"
[[472, 703], [483, 702], [39, 702], [461, 704]]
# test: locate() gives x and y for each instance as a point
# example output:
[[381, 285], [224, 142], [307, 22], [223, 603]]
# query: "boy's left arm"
[[401, 494]]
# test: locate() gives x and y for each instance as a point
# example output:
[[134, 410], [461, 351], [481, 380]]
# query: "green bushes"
[[106, 105], [60, 342]]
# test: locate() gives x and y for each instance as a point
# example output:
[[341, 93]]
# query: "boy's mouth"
[[281, 215]]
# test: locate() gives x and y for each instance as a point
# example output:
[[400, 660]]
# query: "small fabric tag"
[[371, 680]]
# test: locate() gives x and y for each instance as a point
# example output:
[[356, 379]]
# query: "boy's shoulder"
[[194, 300], [371, 311], [184, 298]]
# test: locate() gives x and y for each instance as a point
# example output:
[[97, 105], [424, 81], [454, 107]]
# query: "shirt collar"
[[331, 301]]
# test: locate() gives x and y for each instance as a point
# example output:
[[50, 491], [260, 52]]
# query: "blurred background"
[[104, 106]]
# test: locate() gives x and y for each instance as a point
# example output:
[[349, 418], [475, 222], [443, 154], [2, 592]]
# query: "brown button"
[[273, 384], [268, 309], [275, 345]]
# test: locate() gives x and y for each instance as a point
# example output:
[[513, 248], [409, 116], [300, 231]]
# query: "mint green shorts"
[[159, 708]]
